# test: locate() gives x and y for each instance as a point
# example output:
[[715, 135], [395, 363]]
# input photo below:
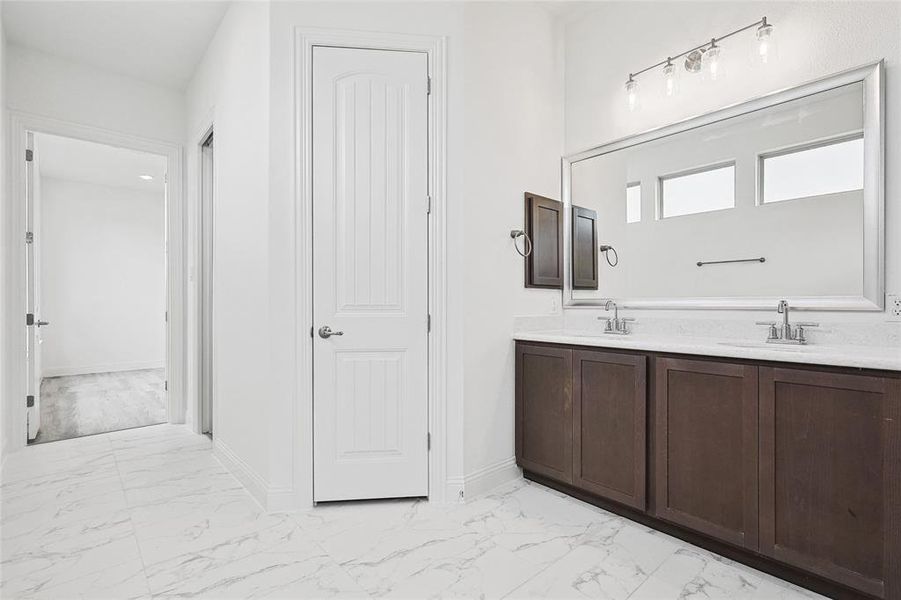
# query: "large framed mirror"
[[780, 197]]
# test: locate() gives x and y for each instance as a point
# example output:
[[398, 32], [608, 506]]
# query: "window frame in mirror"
[[873, 297]]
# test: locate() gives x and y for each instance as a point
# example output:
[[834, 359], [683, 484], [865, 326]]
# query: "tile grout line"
[[131, 521]]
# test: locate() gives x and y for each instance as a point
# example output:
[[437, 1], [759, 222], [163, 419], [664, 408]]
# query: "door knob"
[[42, 323], [325, 332]]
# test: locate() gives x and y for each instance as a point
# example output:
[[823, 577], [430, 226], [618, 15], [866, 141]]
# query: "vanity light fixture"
[[632, 93], [707, 57], [670, 81], [713, 62], [766, 43]]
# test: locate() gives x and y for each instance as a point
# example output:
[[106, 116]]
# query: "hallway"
[[151, 513]]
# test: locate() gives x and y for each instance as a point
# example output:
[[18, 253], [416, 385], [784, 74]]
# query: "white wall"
[[513, 143], [5, 406], [49, 86], [815, 39], [231, 87], [103, 271]]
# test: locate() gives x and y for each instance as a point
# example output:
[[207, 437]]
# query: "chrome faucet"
[[786, 333], [615, 326]]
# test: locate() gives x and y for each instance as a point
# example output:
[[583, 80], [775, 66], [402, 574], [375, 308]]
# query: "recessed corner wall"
[[230, 90]]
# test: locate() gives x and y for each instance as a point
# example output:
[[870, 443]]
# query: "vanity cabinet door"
[[609, 408], [830, 480], [706, 448], [544, 422], [544, 226]]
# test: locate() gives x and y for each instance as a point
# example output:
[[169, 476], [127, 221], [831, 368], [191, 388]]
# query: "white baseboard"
[[487, 478], [249, 478], [282, 500], [107, 368], [453, 491]]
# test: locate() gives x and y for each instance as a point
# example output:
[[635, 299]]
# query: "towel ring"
[[605, 249], [527, 246]]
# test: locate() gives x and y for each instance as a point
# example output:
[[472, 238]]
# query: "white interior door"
[[33, 289], [370, 273]]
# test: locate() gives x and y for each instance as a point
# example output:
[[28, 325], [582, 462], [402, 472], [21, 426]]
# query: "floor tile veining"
[[150, 513], [77, 405]]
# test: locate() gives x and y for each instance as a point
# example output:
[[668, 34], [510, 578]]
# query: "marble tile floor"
[[77, 405], [150, 513]]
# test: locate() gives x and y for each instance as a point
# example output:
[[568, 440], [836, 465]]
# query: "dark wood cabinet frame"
[[746, 535], [544, 265], [755, 547], [584, 249], [562, 394], [637, 401], [888, 390]]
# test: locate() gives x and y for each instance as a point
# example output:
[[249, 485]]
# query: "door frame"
[[441, 489], [14, 255], [204, 284]]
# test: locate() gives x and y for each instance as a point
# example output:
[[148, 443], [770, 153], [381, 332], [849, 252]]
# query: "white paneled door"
[[370, 273]]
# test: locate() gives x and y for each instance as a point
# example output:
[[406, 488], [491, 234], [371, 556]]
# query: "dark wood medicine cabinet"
[[791, 469], [544, 228], [544, 219]]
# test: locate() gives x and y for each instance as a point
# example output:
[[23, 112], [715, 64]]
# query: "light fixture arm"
[[713, 41]]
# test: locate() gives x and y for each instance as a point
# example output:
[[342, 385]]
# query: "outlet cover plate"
[[893, 307]]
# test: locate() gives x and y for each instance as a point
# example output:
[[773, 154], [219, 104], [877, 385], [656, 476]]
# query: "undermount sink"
[[766, 346]]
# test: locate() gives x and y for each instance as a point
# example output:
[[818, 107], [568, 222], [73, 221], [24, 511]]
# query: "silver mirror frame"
[[873, 298]]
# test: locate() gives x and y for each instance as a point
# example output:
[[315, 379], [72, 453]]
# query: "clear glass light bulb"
[[632, 94], [713, 63], [766, 44], [670, 83]]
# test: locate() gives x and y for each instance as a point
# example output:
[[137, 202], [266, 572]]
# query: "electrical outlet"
[[893, 307]]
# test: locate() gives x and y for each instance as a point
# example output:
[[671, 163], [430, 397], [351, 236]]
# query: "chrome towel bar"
[[701, 263]]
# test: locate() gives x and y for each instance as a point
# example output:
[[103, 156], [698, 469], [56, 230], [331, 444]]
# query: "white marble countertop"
[[863, 357]]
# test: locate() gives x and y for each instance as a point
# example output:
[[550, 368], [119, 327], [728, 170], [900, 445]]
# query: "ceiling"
[[160, 41], [89, 162]]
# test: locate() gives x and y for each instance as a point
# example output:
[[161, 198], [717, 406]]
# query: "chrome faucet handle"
[[773, 333], [807, 324]]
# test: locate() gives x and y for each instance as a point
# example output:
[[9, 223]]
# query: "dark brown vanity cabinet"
[[706, 448], [580, 418], [544, 422], [793, 469], [609, 423], [830, 475]]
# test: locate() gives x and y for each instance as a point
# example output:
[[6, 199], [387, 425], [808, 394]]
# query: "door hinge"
[[428, 209], [167, 316], [428, 441], [29, 401], [311, 332], [29, 237], [166, 386], [29, 319], [428, 323], [29, 155], [428, 86]]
